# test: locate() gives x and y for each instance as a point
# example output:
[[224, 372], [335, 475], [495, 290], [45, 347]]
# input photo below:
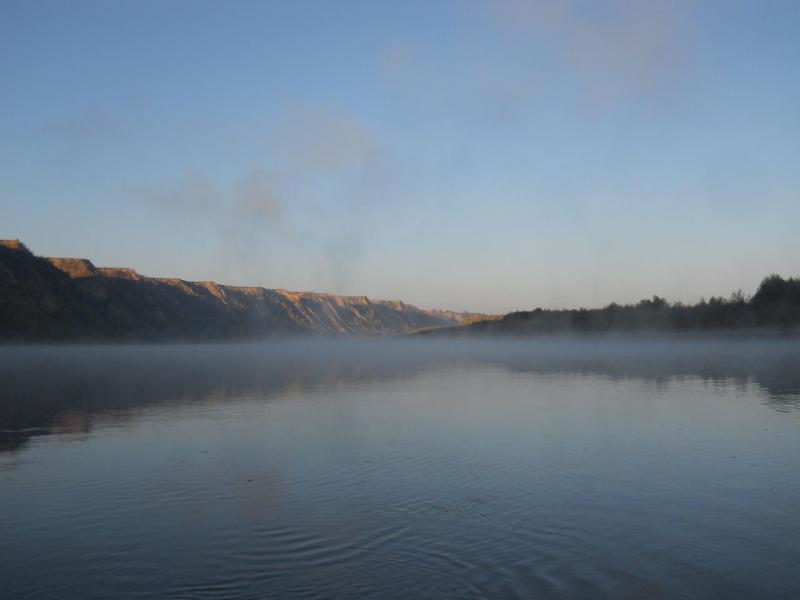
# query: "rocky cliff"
[[71, 298]]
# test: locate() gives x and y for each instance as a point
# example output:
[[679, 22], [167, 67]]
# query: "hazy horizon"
[[481, 156]]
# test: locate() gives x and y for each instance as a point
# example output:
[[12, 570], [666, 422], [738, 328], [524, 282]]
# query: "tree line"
[[775, 305]]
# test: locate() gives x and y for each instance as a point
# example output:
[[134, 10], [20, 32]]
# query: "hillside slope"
[[71, 298]]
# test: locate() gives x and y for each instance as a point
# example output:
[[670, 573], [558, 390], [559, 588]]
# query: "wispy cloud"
[[88, 124], [244, 212], [613, 47], [322, 142], [605, 50], [194, 192], [83, 134], [253, 195], [323, 169], [257, 195]]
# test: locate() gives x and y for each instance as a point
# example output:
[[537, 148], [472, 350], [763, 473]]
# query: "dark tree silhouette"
[[774, 307]]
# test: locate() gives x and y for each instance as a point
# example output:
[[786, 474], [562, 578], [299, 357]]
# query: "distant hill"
[[72, 299], [775, 307]]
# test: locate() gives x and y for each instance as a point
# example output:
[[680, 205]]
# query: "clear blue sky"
[[470, 155]]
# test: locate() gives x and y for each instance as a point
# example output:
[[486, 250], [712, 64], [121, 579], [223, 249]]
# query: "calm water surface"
[[375, 469]]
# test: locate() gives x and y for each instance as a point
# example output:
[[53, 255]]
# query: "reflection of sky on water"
[[70, 390], [366, 469]]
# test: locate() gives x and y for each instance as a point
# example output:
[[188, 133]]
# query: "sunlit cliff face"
[[71, 297]]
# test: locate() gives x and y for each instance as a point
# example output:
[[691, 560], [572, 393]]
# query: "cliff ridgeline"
[[72, 299]]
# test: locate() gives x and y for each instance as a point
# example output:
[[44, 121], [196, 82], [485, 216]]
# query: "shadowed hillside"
[[70, 298]]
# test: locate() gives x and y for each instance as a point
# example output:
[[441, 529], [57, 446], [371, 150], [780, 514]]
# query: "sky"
[[472, 155]]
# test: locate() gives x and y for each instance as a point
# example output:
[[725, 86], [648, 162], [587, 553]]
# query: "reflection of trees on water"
[[772, 366], [68, 390]]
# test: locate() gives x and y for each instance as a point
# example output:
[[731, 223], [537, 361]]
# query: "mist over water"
[[304, 468]]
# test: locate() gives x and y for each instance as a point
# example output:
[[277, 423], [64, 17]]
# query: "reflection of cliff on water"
[[67, 389], [64, 389], [771, 365]]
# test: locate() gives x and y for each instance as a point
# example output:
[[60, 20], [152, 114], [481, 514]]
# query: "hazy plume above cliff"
[[319, 157]]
